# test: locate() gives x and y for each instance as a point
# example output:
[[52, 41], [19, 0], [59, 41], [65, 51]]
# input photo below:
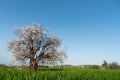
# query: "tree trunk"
[[33, 64]]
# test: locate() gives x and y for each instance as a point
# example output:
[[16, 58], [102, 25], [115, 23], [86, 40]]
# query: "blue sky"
[[90, 29]]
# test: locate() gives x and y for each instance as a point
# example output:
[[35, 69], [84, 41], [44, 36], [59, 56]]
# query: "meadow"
[[58, 74]]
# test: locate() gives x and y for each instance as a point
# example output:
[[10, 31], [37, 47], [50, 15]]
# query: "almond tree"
[[35, 44]]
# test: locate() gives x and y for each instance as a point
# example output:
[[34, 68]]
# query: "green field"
[[58, 74]]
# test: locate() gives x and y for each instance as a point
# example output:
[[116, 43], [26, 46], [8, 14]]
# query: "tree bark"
[[33, 64]]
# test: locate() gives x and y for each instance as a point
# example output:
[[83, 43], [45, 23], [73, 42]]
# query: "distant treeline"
[[105, 65]]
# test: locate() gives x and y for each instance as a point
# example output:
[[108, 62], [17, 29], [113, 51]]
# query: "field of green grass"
[[58, 74]]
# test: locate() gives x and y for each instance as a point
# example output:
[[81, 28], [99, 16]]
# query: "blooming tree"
[[34, 44]]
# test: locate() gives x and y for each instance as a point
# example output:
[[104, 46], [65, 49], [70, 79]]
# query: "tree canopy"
[[35, 44]]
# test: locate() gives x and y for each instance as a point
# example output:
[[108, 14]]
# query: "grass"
[[58, 74]]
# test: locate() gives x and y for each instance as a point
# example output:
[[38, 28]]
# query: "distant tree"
[[113, 65], [105, 63], [34, 45]]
